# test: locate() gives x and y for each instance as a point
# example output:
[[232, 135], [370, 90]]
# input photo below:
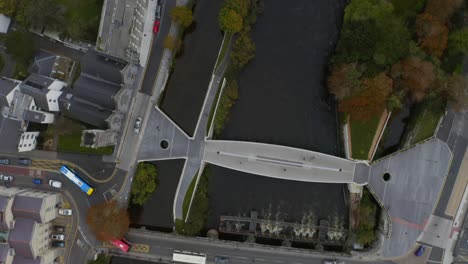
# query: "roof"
[[6, 86], [4, 23], [23, 260], [84, 111], [96, 90], [3, 207], [43, 63], [36, 86], [4, 248], [10, 132], [20, 237], [27, 207], [34, 116]]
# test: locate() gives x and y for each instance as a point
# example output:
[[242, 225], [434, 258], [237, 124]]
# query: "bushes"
[[182, 16], [144, 183], [367, 222]]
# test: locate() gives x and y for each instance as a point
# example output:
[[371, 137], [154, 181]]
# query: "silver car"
[[137, 126], [6, 177]]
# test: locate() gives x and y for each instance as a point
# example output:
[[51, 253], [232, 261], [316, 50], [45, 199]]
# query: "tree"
[[456, 88], [182, 16], [171, 42], [241, 7], [432, 34], [344, 80], [359, 10], [144, 183], [243, 51], [371, 100], [33, 12], [20, 45], [415, 76], [357, 42], [442, 9], [458, 41], [108, 221], [230, 21], [393, 41]]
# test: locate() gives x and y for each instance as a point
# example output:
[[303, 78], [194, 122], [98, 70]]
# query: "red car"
[[156, 26]]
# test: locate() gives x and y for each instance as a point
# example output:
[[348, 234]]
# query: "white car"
[[63, 211], [137, 126], [55, 184], [6, 177], [58, 237]]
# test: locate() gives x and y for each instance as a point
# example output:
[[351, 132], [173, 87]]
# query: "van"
[[55, 184], [6, 177], [24, 162], [4, 161]]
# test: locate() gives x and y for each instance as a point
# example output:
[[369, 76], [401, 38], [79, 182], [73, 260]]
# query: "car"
[[6, 177], [420, 251], [59, 228], [221, 260], [157, 14], [37, 181], [55, 184], [4, 161], [329, 261], [63, 211], [60, 237], [58, 244], [137, 126], [156, 26], [24, 161]]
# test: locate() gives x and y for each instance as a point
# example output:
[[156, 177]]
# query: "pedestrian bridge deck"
[[279, 161]]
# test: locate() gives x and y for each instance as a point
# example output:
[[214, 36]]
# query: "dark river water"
[[283, 100], [186, 89], [158, 211]]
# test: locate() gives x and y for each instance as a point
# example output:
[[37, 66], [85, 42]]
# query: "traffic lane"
[[164, 245], [157, 49], [92, 164]]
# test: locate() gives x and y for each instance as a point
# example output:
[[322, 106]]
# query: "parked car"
[[6, 177], [157, 14], [137, 125], [329, 261], [37, 181], [24, 161], [55, 184], [420, 251], [156, 26], [58, 244], [60, 237], [4, 161], [63, 211], [59, 228], [221, 260]]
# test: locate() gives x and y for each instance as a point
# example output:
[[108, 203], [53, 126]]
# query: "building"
[[26, 217], [121, 29], [4, 23]]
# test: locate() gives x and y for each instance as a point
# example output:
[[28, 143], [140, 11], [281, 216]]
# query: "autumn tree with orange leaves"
[[371, 101], [108, 220], [415, 76], [344, 80]]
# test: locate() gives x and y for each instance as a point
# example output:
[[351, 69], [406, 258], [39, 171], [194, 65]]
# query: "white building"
[[27, 141]]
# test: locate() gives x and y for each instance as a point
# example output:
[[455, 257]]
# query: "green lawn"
[[362, 134], [71, 143], [424, 120], [188, 196], [224, 49]]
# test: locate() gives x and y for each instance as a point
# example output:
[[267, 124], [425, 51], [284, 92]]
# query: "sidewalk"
[[147, 37]]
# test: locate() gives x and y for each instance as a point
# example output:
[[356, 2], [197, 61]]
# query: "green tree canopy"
[[20, 45], [243, 51], [144, 183], [458, 41], [359, 10], [240, 6], [230, 21], [182, 16], [33, 12]]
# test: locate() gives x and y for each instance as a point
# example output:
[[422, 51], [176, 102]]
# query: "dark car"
[[221, 260], [59, 228], [4, 161], [24, 161], [58, 244], [37, 181], [420, 251], [157, 14], [156, 26]]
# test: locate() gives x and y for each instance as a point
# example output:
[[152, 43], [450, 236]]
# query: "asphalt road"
[[157, 49], [162, 246]]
